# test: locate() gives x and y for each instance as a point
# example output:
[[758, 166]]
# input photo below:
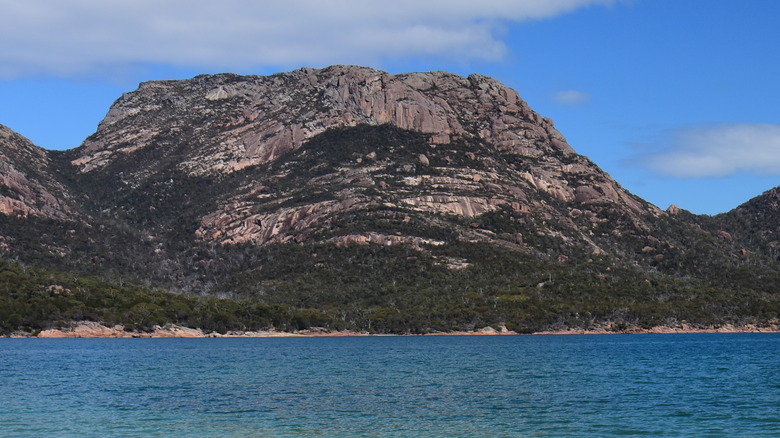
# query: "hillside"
[[350, 198]]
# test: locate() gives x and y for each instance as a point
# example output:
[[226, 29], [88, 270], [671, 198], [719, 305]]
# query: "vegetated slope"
[[755, 225], [350, 198]]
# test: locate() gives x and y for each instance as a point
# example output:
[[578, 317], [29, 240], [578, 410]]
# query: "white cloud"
[[571, 98], [720, 150], [80, 36]]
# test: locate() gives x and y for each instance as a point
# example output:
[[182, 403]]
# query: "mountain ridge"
[[351, 192]]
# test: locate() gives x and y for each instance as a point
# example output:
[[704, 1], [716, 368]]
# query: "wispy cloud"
[[719, 150], [571, 98], [44, 37]]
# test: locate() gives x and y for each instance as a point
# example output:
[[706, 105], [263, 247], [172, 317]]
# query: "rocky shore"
[[682, 328], [90, 329]]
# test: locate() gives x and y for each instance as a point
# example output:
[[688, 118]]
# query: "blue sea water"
[[702, 385]]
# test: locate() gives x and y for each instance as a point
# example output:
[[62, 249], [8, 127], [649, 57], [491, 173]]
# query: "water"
[[617, 385]]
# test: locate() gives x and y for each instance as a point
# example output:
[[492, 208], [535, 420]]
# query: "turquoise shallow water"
[[700, 385]]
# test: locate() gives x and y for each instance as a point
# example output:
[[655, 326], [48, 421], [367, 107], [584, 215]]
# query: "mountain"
[[476, 149], [351, 198], [756, 224], [29, 183]]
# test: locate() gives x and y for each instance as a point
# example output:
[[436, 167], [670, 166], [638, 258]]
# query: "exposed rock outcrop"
[[91, 329], [486, 150], [231, 122], [27, 186]]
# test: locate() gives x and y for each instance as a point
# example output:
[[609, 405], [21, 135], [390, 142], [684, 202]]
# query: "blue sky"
[[676, 99]]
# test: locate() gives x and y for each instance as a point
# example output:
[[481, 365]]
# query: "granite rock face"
[[230, 122], [486, 149], [28, 185]]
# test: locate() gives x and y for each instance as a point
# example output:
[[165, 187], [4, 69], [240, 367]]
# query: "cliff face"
[[230, 122], [360, 180]]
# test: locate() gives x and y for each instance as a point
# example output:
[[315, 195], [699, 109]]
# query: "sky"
[[676, 99]]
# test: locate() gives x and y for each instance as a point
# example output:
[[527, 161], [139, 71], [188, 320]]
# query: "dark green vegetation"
[[33, 300], [393, 290], [529, 269]]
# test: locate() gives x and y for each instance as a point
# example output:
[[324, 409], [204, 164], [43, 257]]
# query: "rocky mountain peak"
[[229, 122]]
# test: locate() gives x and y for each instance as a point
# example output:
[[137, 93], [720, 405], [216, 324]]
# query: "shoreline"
[[94, 330]]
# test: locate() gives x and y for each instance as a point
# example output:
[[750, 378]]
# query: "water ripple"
[[547, 386]]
